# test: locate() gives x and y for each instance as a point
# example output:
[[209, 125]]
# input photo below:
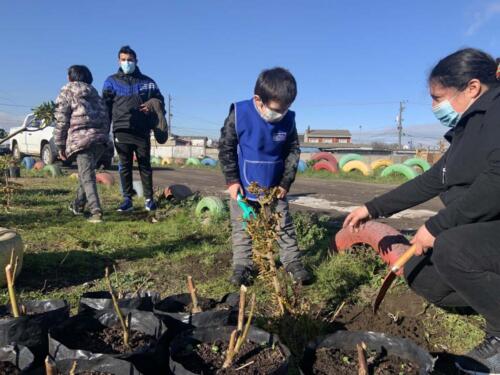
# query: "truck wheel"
[[16, 152], [46, 154]]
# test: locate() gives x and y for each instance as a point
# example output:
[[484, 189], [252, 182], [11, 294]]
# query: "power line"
[[16, 105]]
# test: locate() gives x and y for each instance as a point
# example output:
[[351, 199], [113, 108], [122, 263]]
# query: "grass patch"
[[66, 256]]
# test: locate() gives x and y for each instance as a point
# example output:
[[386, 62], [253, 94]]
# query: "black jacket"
[[123, 94], [228, 154], [467, 177]]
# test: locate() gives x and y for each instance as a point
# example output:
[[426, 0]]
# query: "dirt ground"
[[333, 198]]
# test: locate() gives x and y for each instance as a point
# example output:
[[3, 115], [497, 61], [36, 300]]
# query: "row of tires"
[[354, 162], [157, 161]]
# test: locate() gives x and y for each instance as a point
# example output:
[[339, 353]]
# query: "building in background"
[[327, 136]]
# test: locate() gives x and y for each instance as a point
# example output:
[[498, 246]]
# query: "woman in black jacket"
[[458, 249]]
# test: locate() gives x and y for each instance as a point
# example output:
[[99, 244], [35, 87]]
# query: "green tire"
[[212, 206]]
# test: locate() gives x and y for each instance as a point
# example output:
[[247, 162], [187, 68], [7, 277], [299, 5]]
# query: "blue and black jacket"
[[123, 94]]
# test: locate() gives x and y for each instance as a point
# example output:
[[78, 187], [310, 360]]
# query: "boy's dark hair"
[[276, 84], [127, 50], [80, 73], [457, 69]]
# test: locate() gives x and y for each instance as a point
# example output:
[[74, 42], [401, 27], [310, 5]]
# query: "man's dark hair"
[[80, 73], [457, 69], [276, 84], [127, 50]]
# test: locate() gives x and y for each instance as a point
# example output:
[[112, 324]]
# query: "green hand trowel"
[[248, 211]]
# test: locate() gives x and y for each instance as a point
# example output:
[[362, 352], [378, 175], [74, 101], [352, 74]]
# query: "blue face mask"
[[127, 66], [445, 113]]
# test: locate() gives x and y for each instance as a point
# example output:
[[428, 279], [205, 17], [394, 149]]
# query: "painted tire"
[[10, 241], [177, 191], [166, 161], [39, 165], [347, 158], [302, 166], [28, 162], [389, 243], [179, 161], [105, 178], [358, 166], [209, 162], [193, 161], [155, 161], [405, 170], [325, 156], [381, 163], [417, 162], [52, 170], [325, 165], [212, 206]]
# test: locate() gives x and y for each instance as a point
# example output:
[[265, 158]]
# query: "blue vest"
[[262, 146]]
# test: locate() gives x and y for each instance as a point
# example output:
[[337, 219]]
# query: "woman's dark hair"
[[457, 69], [276, 84], [80, 73], [127, 50]]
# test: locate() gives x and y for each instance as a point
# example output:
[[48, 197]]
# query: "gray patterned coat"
[[82, 118]]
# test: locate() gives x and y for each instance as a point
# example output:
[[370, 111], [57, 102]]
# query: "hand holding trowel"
[[389, 278]]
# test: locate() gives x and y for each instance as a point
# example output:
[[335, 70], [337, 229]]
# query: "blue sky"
[[353, 60]]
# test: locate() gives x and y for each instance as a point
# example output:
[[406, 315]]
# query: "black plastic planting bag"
[[213, 334], [101, 300], [100, 363], [174, 312], [380, 342], [148, 359], [20, 356], [31, 329]]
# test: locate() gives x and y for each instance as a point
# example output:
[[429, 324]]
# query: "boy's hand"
[[62, 155], [282, 192], [356, 219], [234, 189]]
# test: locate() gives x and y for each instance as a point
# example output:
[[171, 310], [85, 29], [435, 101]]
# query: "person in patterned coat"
[[82, 133]]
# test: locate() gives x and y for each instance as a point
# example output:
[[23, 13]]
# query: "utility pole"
[[170, 115], [400, 122]]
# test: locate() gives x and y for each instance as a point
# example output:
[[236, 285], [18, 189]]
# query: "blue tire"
[[209, 162], [28, 162]]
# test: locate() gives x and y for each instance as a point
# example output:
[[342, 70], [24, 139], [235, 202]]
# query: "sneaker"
[[242, 275], [76, 209], [299, 273], [126, 205], [150, 205], [95, 217], [483, 359]]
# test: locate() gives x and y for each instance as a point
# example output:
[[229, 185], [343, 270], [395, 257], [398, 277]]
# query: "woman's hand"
[[356, 219], [423, 239]]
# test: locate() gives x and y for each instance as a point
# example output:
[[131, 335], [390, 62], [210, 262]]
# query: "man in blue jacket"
[[259, 143], [125, 94]]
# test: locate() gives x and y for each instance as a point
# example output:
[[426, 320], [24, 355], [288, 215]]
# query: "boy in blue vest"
[[259, 143]]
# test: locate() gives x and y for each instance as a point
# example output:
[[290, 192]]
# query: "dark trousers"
[[142, 151], [463, 270]]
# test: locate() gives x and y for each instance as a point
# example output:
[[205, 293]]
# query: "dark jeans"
[[463, 270], [86, 194], [142, 151]]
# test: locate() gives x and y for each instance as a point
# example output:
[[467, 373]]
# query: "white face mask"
[[272, 116]]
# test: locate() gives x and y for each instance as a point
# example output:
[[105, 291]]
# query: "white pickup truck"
[[40, 142]]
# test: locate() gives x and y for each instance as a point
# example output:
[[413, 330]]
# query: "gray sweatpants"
[[242, 243], [86, 161]]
